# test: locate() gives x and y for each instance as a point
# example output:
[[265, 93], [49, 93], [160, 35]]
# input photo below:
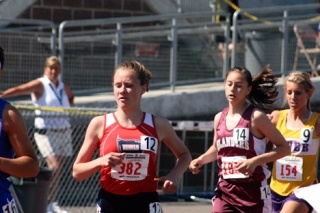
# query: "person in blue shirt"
[[53, 135], [17, 156]]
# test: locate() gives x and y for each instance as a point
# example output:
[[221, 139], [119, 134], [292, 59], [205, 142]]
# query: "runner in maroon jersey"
[[240, 137]]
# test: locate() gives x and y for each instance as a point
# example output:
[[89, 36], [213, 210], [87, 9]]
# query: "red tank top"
[[141, 144]]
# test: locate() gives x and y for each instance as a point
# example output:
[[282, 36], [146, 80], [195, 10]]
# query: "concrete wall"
[[193, 102]]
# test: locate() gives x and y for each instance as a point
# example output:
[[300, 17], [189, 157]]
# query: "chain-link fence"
[[25, 51], [70, 193]]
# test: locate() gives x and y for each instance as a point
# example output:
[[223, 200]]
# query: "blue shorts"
[[278, 201], [144, 202]]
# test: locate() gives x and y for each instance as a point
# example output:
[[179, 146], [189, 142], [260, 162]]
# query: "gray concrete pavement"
[[167, 207], [186, 207]]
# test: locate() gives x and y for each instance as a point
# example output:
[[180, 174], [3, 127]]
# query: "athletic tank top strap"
[[281, 123], [6, 149], [109, 119], [312, 123], [222, 119], [2, 104], [243, 122], [246, 116], [313, 119]]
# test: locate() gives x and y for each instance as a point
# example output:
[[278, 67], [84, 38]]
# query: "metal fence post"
[[234, 29], [173, 54], [226, 63], [61, 46], [284, 48], [118, 43]]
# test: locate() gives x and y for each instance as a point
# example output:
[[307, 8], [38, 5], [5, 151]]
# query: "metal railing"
[[179, 49], [190, 47], [276, 22], [25, 52], [150, 39]]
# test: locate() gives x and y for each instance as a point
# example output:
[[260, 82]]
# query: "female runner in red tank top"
[[128, 141], [239, 143]]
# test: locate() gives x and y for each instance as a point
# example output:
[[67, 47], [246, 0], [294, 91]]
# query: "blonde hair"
[[303, 79], [51, 60]]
